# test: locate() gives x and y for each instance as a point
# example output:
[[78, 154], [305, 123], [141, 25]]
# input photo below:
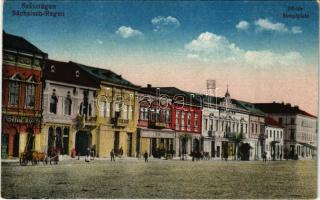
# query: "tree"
[[184, 139], [237, 140]]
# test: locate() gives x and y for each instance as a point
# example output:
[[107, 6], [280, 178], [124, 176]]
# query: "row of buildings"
[[49, 105]]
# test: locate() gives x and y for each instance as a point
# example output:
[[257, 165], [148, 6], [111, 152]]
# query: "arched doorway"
[[245, 151], [83, 141], [16, 141], [196, 145]]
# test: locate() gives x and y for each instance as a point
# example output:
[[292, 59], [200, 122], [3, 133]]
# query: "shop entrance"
[[196, 146], [83, 141]]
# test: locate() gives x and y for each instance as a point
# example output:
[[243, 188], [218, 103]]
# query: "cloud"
[[99, 41], [215, 48], [296, 29], [242, 25], [127, 32], [165, 24], [266, 25]]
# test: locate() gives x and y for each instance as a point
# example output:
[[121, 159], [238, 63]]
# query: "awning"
[[307, 145]]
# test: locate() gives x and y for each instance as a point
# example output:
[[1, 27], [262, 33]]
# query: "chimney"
[[149, 85]]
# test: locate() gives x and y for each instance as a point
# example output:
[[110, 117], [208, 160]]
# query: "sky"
[[248, 45]]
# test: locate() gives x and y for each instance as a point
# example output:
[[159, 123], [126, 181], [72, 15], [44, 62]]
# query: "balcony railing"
[[156, 125], [86, 122], [119, 122]]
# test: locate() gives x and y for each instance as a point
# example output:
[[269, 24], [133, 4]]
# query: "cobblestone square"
[[131, 178]]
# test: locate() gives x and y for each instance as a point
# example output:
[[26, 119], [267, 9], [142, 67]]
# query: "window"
[[182, 120], [270, 134], [217, 125], [30, 95], [280, 134], [256, 128], [53, 104], [189, 120], [277, 134], [206, 124], [252, 128], [141, 113], [211, 124], [292, 134], [67, 105], [177, 119], [195, 120], [14, 88], [292, 121], [129, 110], [246, 128]]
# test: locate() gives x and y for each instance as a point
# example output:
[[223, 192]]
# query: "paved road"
[[160, 179]]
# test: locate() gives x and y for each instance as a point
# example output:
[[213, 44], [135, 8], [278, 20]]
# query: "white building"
[[68, 108], [300, 129], [274, 144]]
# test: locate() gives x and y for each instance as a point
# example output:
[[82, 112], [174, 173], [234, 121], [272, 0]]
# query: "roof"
[[65, 72], [281, 108], [172, 92], [18, 43], [249, 107], [271, 122], [107, 76]]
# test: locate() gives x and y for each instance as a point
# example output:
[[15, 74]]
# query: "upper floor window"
[[14, 88], [53, 104], [67, 105], [177, 119], [292, 121], [196, 120], [206, 124], [30, 95], [182, 120], [189, 119]]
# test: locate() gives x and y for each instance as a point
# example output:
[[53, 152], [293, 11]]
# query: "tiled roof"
[[281, 108], [249, 107], [14, 42], [107, 76], [65, 72], [271, 122], [171, 92]]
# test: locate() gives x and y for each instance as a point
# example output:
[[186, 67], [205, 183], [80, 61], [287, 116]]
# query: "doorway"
[[129, 145], [83, 141]]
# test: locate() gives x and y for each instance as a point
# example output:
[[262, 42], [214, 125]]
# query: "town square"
[[165, 179], [139, 99]]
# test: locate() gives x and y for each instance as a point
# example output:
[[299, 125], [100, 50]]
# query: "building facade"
[[154, 124], [21, 95], [69, 104], [273, 140], [117, 113], [300, 129]]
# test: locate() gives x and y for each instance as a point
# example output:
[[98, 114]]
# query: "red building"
[[21, 95], [174, 116]]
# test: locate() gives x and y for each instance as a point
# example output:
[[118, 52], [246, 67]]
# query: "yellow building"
[[117, 114]]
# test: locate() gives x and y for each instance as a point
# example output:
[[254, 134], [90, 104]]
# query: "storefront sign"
[[157, 134], [21, 120]]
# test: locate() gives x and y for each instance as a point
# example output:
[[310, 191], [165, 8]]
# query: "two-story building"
[[154, 124], [117, 113], [68, 108], [300, 128], [273, 139], [21, 95]]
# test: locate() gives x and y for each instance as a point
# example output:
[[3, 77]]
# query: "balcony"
[[86, 122], [156, 125], [119, 122]]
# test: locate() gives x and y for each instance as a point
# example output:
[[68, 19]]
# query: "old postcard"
[[159, 99]]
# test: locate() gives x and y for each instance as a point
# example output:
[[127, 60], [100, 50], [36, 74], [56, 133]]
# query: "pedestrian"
[[145, 156], [121, 152], [87, 159], [112, 155]]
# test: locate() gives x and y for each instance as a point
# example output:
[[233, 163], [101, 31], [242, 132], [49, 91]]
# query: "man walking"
[[112, 155], [145, 156]]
